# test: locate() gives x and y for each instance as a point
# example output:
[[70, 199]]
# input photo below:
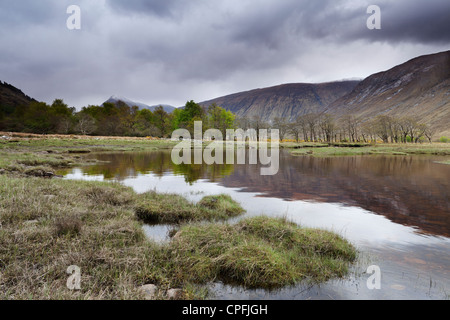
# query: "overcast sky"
[[171, 51]]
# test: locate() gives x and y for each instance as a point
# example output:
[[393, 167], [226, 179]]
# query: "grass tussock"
[[68, 226], [259, 253], [163, 208]]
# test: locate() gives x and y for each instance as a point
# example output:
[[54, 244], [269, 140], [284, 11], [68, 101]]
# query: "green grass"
[[92, 144], [259, 252], [47, 225], [172, 208], [388, 149]]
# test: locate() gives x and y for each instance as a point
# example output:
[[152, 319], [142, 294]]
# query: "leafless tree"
[[328, 126], [85, 124]]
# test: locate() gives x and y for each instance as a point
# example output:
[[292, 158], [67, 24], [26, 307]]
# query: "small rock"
[[150, 291], [175, 294]]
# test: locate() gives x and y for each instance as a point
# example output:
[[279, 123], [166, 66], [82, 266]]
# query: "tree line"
[[322, 127], [119, 119], [111, 119]]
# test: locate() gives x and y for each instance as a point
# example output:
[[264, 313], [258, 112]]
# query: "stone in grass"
[[150, 291], [175, 294]]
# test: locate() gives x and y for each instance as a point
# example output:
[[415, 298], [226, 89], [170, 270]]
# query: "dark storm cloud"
[[401, 21], [416, 21], [343, 21], [169, 51]]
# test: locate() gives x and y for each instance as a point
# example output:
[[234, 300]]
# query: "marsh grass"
[[259, 252], [381, 149], [153, 207], [47, 225]]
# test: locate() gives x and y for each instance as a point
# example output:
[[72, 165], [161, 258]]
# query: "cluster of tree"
[[324, 127], [111, 119]]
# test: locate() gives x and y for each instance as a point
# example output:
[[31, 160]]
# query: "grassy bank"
[[48, 224], [364, 149], [20, 153], [259, 253]]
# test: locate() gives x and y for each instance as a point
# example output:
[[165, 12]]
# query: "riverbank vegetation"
[[48, 224], [327, 150], [259, 252], [154, 208], [110, 119]]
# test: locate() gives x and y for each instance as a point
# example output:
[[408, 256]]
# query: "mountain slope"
[[11, 97], [130, 103], [287, 100], [419, 87]]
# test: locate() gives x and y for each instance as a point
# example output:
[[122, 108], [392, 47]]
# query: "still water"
[[394, 209]]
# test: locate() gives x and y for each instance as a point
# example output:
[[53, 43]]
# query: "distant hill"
[[130, 103], [287, 100], [11, 97], [419, 87]]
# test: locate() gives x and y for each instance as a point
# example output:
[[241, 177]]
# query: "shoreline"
[[49, 224]]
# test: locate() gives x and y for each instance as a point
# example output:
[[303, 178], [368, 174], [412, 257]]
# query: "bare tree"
[[257, 123], [294, 129], [85, 124], [311, 122], [429, 132], [351, 125], [382, 127], [328, 126], [282, 125]]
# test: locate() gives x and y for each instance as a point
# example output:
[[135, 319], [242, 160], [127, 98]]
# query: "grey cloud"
[[22, 13], [402, 21], [156, 51], [162, 8], [415, 21]]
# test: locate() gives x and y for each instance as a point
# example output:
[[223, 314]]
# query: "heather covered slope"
[[286, 101], [419, 87]]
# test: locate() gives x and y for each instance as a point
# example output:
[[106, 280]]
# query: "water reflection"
[[412, 191], [394, 209]]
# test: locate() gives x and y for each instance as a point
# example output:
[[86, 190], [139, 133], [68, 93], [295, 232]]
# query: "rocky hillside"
[[287, 100], [419, 87]]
